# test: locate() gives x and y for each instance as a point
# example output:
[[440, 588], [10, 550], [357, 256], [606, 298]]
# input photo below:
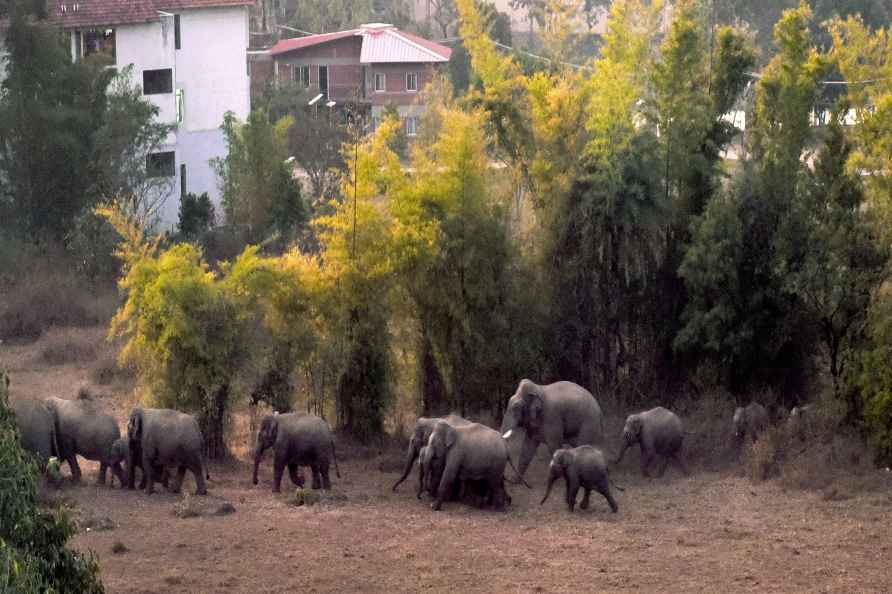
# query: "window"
[[182, 179], [411, 81], [301, 75], [411, 126], [323, 82], [161, 164], [99, 41], [156, 82], [380, 82], [176, 31], [181, 105]]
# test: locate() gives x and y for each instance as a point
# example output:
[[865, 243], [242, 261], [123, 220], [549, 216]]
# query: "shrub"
[[33, 556], [196, 216], [67, 345]]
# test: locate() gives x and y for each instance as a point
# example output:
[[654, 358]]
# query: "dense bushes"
[[33, 556]]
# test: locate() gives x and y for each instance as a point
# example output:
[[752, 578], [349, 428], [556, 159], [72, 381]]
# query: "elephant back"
[[84, 428], [36, 427]]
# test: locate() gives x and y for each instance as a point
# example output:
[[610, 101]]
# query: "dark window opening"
[[161, 164], [176, 31], [182, 179], [323, 82], [156, 82], [99, 41]]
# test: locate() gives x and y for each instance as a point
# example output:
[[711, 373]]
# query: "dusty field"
[[705, 533]]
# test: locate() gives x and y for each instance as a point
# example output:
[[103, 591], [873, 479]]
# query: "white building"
[[189, 57]]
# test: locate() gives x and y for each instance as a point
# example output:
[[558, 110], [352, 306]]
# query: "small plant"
[[119, 548], [187, 508]]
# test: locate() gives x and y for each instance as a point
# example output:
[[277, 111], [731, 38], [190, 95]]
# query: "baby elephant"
[[749, 421], [659, 432], [584, 466], [120, 453]]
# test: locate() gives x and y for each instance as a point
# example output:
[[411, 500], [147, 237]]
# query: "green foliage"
[[196, 216], [49, 111], [71, 134], [873, 379], [259, 191], [33, 556]]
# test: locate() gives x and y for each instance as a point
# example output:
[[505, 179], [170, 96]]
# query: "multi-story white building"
[[189, 57]]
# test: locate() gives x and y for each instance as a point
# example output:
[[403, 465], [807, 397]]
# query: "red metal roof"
[[72, 14], [400, 46], [289, 45]]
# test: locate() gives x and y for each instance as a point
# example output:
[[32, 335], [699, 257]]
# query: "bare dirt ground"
[[708, 532]]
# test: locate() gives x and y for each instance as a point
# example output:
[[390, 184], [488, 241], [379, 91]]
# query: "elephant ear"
[[134, 426], [537, 409], [451, 436]]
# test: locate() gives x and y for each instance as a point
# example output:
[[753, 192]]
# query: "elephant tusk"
[[508, 433]]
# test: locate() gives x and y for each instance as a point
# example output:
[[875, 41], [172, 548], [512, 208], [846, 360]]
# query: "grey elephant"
[[471, 452], [37, 431], [659, 432], [424, 426], [297, 439], [429, 474], [84, 429], [160, 437], [556, 414], [582, 467], [749, 421], [120, 454]]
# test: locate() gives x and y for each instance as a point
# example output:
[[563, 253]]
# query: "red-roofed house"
[[374, 65], [189, 57]]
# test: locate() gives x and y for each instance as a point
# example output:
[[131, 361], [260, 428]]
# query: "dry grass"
[[63, 346]]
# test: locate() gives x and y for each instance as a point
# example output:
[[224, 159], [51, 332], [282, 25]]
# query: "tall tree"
[[49, 111], [259, 191]]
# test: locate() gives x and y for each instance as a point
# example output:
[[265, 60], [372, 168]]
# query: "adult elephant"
[[424, 426], [559, 413], [659, 432], [37, 431], [84, 429], [160, 437], [297, 439], [750, 421], [471, 452]]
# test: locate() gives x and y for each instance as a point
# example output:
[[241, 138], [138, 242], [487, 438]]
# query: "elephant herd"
[[161, 439], [457, 458]]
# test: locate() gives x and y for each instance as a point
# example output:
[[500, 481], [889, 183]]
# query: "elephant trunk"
[[622, 451], [410, 461], [551, 479], [257, 456]]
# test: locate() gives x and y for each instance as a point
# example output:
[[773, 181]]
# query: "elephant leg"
[[317, 477], [161, 471], [198, 473], [586, 493], [278, 469], [148, 476], [572, 491], [297, 476], [497, 491], [323, 474], [142, 481], [178, 480], [75, 469], [604, 489], [681, 464], [646, 459], [103, 471], [118, 472], [527, 451], [662, 470], [450, 473]]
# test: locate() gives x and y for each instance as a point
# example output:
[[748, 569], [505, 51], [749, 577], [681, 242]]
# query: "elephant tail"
[[514, 468], [335, 459]]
